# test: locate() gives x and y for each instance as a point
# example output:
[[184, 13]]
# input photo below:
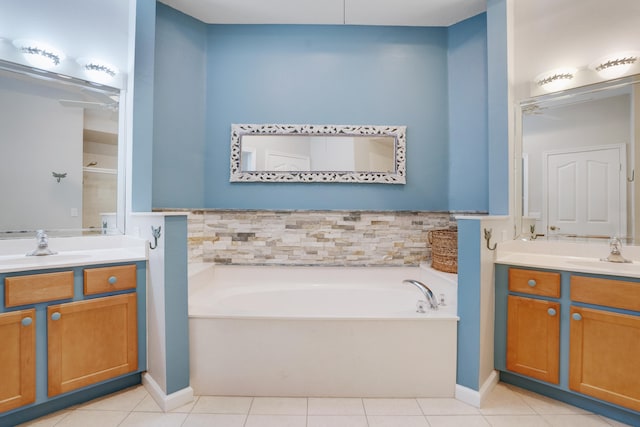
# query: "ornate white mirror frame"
[[396, 176]]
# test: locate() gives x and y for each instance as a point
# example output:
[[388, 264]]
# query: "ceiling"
[[427, 13], [550, 34], [96, 29]]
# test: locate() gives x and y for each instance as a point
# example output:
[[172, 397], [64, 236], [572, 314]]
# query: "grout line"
[[246, 418]]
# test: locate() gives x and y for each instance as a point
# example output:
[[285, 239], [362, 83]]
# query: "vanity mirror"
[[318, 153], [58, 154], [576, 153]]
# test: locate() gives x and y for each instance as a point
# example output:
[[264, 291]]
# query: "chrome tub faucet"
[[429, 297]]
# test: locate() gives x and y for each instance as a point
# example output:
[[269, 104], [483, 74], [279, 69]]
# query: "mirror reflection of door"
[[585, 191], [284, 162]]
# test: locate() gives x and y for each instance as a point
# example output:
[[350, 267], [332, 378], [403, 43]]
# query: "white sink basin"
[[606, 266], [42, 259]]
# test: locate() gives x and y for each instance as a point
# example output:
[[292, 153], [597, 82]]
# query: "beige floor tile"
[[335, 406], [147, 405], [516, 420], [222, 405], [446, 406], [150, 405], [337, 421], [124, 400], [276, 421], [279, 406], [397, 421], [93, 418], [48, 420], [576, 421], [504, 401], [545, 405], [153, 419], [217, 420], [374, 406], [457, 421]]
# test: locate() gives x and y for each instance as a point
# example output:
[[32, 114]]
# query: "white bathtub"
[[320, 331]]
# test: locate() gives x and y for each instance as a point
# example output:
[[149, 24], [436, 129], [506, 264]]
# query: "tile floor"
[[505, 406]]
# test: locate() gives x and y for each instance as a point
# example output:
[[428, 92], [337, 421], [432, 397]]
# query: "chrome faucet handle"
[[614, 251], [614, 245], [42, 238], [421, 306]]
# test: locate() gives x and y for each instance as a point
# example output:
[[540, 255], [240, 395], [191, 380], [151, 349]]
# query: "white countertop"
[[583, 258], [73, 251]]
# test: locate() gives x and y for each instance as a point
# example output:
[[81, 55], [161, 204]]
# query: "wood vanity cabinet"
[[17, 359], [87, 335], [571, 336], [91, 341], [604, 345], [533, 325]]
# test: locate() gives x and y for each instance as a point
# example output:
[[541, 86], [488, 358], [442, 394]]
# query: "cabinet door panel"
[[533, 338], [17, 359], [603, 356], [91, 341]]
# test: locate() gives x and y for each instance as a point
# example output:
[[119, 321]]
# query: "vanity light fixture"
[[555, 79], [615, 65], [98, 70], [38, 54]]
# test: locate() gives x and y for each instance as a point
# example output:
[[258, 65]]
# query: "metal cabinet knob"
[[112, 280], [532, 283], [576, 316], [55, 316], [27, 321], [552, 311]]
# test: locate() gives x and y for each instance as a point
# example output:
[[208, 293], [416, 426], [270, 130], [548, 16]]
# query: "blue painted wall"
[[329, 75], [498, 107], [143, 108], [431, 79], [468, 97], [179, 109], [469, 270]]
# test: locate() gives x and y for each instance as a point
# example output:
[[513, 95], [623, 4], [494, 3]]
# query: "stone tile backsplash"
[[353, 238]]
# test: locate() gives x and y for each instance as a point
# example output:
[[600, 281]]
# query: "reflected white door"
[[585, 191], [285, 162]]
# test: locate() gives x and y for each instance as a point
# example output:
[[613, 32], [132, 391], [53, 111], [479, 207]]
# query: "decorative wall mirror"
[[59, 154], [577, 155], [318, 153]]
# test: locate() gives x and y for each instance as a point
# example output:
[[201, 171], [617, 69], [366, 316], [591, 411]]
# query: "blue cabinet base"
[[31, 412], [596, 406]]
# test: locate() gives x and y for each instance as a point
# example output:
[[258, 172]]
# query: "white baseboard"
[[166, 402], [473, 397]]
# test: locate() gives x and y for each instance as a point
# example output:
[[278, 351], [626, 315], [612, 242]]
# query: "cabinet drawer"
[[35, 288], [109, 279], [534, 282], [607, 292]]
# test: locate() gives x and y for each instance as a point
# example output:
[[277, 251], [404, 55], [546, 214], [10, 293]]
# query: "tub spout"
[[428, 295]]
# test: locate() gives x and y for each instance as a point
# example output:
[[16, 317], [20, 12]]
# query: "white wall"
[[39, 136], [598, 122]]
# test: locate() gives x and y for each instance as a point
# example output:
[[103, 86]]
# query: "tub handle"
[[421, 306]]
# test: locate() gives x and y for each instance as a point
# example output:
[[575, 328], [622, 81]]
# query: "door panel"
[[585, 192]]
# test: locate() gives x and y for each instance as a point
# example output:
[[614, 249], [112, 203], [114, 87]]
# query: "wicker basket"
[[444, 250]]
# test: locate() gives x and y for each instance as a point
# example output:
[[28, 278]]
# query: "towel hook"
[[487, 237], [156, 232]]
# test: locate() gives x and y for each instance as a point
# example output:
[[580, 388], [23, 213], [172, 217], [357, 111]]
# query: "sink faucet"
[[615, 255], [428, 295], [43, 245]]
